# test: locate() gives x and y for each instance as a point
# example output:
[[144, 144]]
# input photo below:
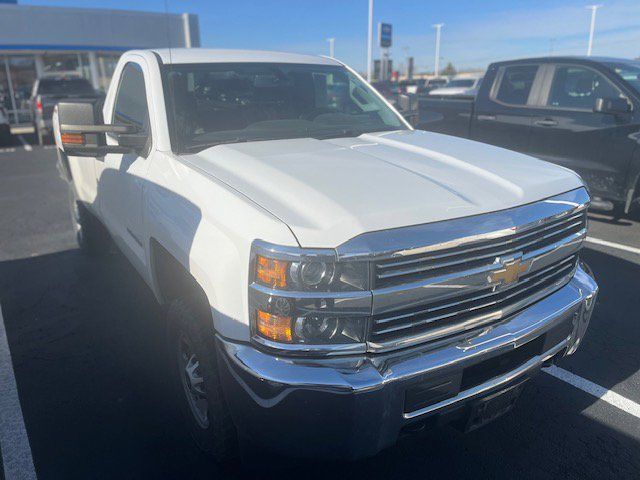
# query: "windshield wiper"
[[202, 146], [350, 132]]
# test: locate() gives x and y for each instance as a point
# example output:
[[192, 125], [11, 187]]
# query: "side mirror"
[[80, 131], [612, 106]]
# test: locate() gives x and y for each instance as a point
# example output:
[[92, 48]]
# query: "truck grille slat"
[[388, 274], [574, 220], [484, 293], [549, 246], [473, 304]]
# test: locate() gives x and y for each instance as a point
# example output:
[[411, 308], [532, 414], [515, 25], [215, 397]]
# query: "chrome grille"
[[396, 271], [472, 310]]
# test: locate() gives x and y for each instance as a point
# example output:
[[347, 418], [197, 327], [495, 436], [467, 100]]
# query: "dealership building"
[[38, 41]]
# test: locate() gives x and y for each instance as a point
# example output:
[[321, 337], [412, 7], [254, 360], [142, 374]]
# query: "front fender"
[[209, 228]]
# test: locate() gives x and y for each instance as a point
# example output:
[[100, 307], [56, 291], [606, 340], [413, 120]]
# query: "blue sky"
[[475, 33]]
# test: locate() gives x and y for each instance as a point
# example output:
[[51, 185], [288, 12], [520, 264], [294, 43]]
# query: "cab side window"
[[131, 99], [516, 84], [576, 87]]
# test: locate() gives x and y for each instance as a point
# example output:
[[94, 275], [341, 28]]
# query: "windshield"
[[466, 83], [216, 103], [75, 86], [628, 71]]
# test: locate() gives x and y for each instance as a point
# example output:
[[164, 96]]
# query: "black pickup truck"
[[580, 112]]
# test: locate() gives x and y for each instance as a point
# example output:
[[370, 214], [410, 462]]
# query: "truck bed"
[[446, 114]]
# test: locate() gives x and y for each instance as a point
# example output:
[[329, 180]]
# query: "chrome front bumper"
[[355, 406]]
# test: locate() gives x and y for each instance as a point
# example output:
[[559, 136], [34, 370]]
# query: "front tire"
[[197, 384], [618, 212]]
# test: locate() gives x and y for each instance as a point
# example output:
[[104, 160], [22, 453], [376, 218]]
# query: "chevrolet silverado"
[[332, 277]]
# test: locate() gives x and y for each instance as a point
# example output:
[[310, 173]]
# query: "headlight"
[[322, 274], [308, 300], [309, 275]]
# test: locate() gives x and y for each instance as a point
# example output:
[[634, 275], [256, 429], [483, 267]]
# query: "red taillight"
[[39, 104]]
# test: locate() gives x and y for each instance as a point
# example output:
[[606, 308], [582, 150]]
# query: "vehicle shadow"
[[604, 218]]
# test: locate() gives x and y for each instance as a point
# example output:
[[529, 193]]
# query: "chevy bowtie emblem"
[[510, 272]]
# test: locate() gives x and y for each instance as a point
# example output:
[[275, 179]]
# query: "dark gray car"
[[47, 92]]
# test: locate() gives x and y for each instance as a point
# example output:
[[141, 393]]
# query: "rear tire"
[[92, 237], [192, 355], [39, 135], [5, 135], [618, 211]]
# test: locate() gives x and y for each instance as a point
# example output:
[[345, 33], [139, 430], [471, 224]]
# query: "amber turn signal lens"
[[271, 272], [273, 327], [72, 138]]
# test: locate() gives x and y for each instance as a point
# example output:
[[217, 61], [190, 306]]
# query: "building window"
[[66, 63], [16, 87], [106, 66]]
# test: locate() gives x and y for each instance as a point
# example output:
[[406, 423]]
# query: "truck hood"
[[329, 191]]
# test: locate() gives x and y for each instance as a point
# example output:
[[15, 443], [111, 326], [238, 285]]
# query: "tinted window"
[[629, 72], [75, 86], [578, 87], [516, 84], [131, 100], [218, 103]]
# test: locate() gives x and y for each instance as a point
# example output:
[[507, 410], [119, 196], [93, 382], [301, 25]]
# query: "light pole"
[[331, 44], [370, 44], [438, 27], [594, 9], [406, 56]]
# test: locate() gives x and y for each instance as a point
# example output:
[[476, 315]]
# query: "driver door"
[[121, 181], [566, 130]]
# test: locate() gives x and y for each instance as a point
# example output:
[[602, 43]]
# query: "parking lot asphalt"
[[87, 347]]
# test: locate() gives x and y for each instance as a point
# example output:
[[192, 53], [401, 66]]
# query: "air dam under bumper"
[[355, 406]]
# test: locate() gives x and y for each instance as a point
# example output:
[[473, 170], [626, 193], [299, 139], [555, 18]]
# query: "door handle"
[[547, 122]]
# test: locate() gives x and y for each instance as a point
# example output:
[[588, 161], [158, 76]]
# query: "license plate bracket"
[[487, 409]]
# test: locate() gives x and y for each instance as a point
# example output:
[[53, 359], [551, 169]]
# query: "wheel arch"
[[171, 278], [632, 192]]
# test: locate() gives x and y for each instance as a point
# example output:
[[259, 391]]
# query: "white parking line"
[[26, 146], [619, 246], [14, 443], [591, 388]]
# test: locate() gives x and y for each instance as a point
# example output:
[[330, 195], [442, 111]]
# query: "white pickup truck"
[[333, 278]]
